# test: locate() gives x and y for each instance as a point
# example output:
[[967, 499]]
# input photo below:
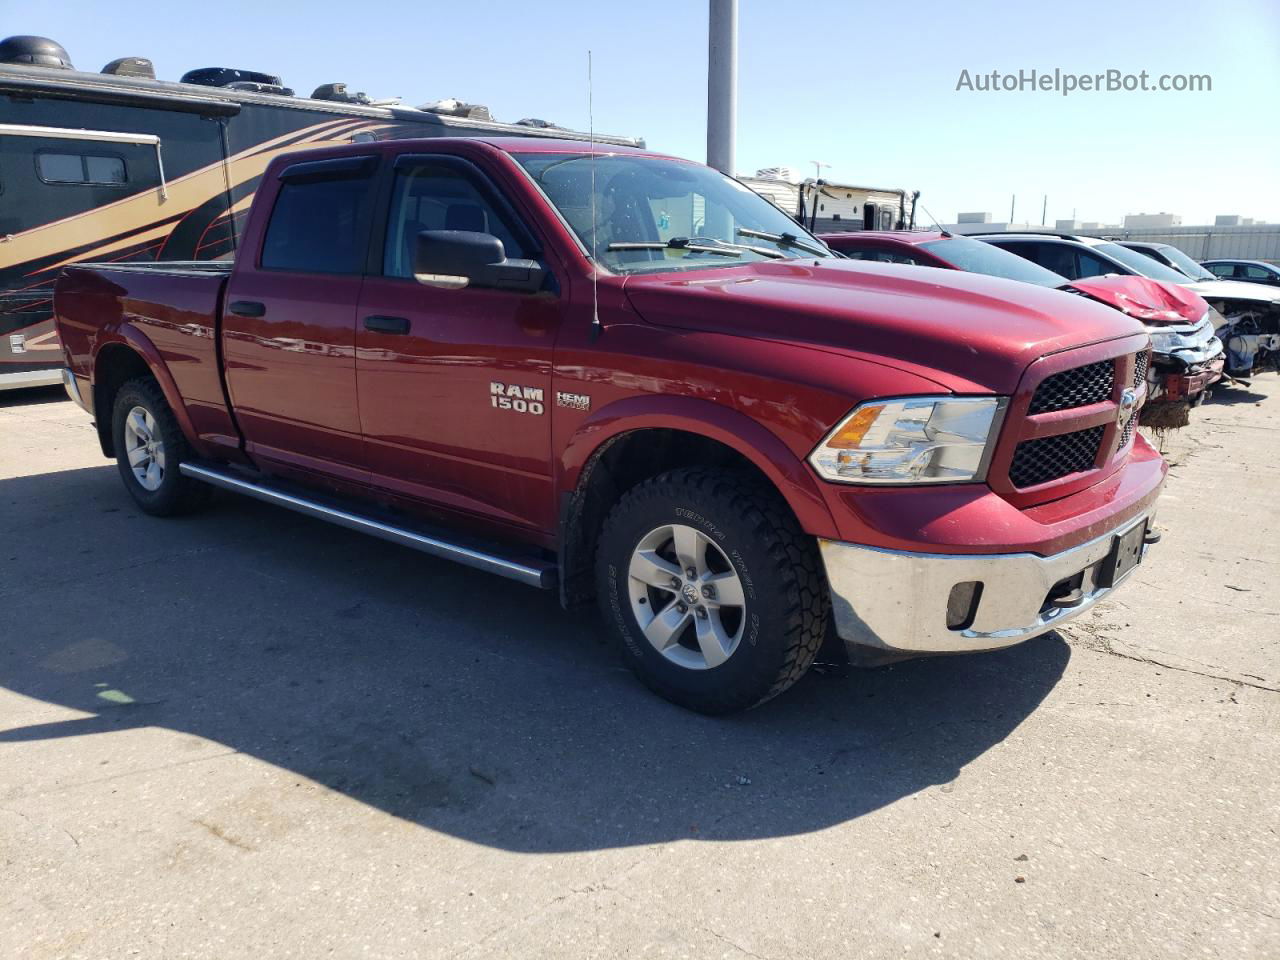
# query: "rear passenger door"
[[455, 384], [289, 324]]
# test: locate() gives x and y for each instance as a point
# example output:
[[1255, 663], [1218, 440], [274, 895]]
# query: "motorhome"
[[118, 166]]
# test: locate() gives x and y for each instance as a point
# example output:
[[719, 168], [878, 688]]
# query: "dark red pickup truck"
[[629, 377]]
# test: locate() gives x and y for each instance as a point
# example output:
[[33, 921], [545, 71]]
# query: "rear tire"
[[670, 540], [149, 447]]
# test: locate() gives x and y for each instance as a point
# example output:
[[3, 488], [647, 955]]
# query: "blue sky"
[[868, 87]]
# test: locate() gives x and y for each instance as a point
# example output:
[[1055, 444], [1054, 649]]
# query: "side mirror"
[[453, 259]]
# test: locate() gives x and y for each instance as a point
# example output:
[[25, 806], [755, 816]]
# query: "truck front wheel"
[[712, 590], [149, 447]]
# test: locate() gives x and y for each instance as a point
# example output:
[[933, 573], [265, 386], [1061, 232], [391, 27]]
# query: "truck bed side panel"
[[167, 314]]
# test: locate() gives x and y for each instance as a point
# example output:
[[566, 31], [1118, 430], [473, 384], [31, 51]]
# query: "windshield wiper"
[[783, 240], [696, 245]]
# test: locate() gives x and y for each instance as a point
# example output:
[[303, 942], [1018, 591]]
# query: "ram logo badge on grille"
[[1128, 403]]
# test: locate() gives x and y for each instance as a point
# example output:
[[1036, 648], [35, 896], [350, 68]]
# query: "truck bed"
[[169, 312]]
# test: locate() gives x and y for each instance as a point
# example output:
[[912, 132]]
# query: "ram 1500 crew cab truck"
[[630, 378]]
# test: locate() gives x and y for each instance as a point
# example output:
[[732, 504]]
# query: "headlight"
[[912, 440], [1164, 340]]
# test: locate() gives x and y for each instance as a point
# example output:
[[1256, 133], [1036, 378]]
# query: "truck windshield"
[[654, 214], [978, 257]]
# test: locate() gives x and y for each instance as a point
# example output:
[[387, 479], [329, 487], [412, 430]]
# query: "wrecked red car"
[[1186, 356]]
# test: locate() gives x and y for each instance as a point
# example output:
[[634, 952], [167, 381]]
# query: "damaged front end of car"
[[1250, 335], [1186, 360]]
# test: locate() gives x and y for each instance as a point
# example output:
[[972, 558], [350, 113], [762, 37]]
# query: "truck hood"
[[1151, 301], [966, 331], [1233, 290]]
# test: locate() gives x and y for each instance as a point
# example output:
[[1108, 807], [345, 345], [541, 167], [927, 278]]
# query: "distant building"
[[1234, 220], [973, 217], [986, 226], [1138, 221]]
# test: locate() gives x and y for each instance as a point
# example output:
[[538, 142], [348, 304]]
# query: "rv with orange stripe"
[[118, 167]]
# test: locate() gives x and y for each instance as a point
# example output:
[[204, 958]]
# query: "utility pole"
[[722, 84], [1012, 205], [817, 168], [1044, 212]]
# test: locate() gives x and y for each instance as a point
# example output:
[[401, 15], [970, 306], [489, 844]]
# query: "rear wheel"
[[149, 447], [711, 588]]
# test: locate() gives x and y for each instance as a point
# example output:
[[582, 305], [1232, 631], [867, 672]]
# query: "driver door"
[[454, 386]]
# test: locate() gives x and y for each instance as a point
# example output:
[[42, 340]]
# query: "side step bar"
[[526, 570]]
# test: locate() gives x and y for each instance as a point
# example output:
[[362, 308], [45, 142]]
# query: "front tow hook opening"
[[1066, 594]]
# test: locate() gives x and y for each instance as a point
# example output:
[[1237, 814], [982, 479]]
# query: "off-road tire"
[[786, 609], [176, 494]]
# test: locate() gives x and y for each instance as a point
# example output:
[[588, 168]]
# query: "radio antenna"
[[595, 264], [941, 229]]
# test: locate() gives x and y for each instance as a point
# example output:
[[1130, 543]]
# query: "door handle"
[[396, 325], [247, 308]]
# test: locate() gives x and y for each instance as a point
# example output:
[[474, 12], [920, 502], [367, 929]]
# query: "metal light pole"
[[817, 168], [722, 84]]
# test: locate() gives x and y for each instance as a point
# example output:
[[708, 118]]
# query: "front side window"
[[439, 196], [1090, 266], [88, 168], [655, 214], [318, 226]]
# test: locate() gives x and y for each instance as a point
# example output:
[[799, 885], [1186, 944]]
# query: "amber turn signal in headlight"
[[912, 440]]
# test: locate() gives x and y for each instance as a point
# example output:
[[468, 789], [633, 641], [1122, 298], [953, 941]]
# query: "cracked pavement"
[[246, 733]]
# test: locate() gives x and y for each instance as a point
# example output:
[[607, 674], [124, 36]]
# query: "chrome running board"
[[525, 570]]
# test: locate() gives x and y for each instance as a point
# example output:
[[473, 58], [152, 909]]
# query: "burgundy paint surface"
[[765, 358]]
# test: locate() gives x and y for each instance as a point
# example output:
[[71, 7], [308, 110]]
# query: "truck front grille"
[[1127, 433], [1077, 387], [1140, 368], [1052, 458]]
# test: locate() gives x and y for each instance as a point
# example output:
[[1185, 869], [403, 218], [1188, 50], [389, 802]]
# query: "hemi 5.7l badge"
[[574, 401], [513, 396]]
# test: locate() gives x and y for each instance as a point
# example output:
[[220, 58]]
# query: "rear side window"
[[319, 226], [92, 168]]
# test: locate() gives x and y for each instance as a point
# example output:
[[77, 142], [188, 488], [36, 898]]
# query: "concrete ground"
[[248, 734]]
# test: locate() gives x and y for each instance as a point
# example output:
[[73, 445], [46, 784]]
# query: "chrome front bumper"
[[72, 387], [897, 601]]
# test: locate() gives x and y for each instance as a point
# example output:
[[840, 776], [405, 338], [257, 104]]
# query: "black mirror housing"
[[453, 259]]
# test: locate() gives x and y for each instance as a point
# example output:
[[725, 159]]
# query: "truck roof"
[[911, 237], [561, 145]]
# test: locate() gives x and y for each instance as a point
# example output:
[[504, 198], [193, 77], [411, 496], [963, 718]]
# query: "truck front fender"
[[786, 471]]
